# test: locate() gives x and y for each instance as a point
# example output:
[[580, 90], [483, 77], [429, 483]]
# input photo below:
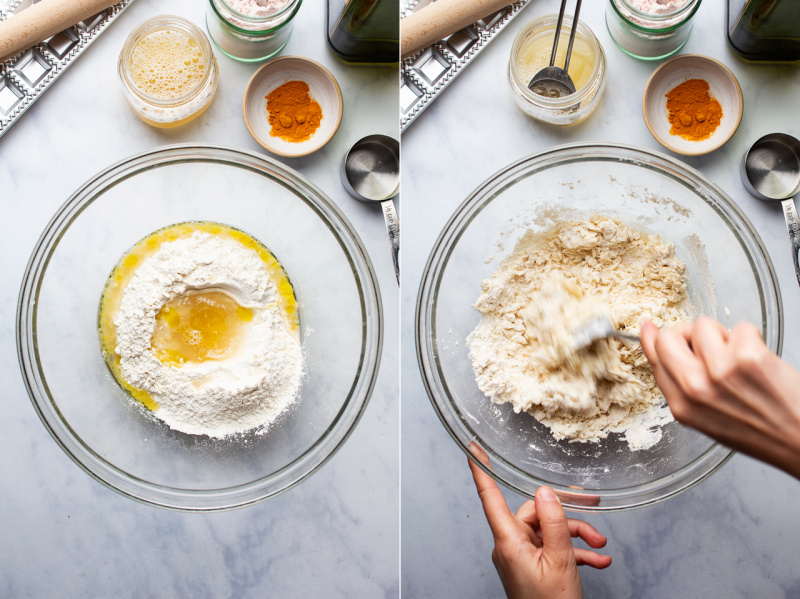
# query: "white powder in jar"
[[257, 8], [520, 349], [658, 7], [247, 390]]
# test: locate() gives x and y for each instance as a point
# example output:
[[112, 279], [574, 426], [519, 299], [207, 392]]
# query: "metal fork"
[[598, 327]]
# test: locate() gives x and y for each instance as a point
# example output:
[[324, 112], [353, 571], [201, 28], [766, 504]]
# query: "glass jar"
[[364, 31], [249, 37], [649, 36], [531, 51], [186, 92], [764, 30]]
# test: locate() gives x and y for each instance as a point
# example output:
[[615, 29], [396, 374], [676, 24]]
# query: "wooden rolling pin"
[[43, 20], [441, 18]]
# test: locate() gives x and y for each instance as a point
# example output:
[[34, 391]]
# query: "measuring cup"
[[771, 172], [371, 173]]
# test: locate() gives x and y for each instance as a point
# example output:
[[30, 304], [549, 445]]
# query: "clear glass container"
[[587, 68], [169, 109], [730, 276], [364, 31], [647, 36], [249, 38], [112, 436], [764, 30]]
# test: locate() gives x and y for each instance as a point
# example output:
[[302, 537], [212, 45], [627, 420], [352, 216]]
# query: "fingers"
[[678, 359], [500, 518], [556, 538], [587, 532], [648, 334], [584, 557], [669, 387]]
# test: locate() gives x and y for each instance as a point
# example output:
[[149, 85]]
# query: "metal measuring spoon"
[[771, 172], [371, 173], [553, 81]]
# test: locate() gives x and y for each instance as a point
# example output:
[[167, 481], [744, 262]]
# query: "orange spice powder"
[[693, 112], [292, 113]]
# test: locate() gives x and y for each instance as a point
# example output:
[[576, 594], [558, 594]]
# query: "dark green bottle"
[[365, 31], [765, 30]]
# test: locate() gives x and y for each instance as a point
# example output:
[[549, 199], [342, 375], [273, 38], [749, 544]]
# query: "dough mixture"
[[523, 352]]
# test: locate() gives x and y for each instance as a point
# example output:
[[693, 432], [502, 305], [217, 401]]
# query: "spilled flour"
[[522, 350]]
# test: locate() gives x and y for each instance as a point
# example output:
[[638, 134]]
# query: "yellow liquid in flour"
[[199, 325], [535, 55], [167, 64]]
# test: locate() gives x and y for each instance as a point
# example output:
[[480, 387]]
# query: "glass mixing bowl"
[[730, 277], [113, 437]]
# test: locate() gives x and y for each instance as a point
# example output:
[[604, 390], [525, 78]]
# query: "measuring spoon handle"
[[393, 229], [793, 226]]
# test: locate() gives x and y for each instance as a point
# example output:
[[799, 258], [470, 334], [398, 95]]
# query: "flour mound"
[[217, 397], [522, 350]]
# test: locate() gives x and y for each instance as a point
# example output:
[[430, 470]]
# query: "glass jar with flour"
[[650, 29], [250, 30]]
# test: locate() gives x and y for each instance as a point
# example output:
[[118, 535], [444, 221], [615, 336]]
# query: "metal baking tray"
[[425, 75], [26, 76]]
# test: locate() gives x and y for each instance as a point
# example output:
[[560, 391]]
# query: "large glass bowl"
[[730, 277], [114, 438]]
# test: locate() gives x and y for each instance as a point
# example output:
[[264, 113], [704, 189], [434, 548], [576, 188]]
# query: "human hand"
[[728, 385], [533, 552]]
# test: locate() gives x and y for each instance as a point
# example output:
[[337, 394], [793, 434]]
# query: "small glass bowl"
[[249, 38], [567, 110], [730, 276], [172, 112], [116, 439], [646, 36]]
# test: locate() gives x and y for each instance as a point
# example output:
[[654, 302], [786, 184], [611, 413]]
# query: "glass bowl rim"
[[260, 489], [427, 358]]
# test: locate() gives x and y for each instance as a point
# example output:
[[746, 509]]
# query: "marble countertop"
[[66, 535], [734, 535]]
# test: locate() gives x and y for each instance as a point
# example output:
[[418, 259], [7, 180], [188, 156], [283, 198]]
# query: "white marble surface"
[[735, 535], [65, 535]]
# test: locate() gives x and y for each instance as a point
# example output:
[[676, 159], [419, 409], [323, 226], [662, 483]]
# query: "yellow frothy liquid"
[[535, 55], [167, 64], [195, 327]]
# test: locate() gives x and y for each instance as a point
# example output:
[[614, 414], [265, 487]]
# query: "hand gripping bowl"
[[730, 277], [118, 441]]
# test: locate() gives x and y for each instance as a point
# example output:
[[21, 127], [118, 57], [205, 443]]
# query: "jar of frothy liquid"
[[250, 30], [650, 29], [168, 71], [531, 52]]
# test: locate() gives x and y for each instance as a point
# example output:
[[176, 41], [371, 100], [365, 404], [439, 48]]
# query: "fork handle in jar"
[[43, 20]]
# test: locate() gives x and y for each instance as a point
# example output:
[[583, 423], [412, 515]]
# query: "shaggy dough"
[[522, 350]]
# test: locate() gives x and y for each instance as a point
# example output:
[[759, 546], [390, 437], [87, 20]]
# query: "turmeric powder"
[[293, 114], [693, 113]]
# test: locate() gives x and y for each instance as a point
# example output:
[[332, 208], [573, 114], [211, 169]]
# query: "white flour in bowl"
[[215, 397], [521, 349]]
